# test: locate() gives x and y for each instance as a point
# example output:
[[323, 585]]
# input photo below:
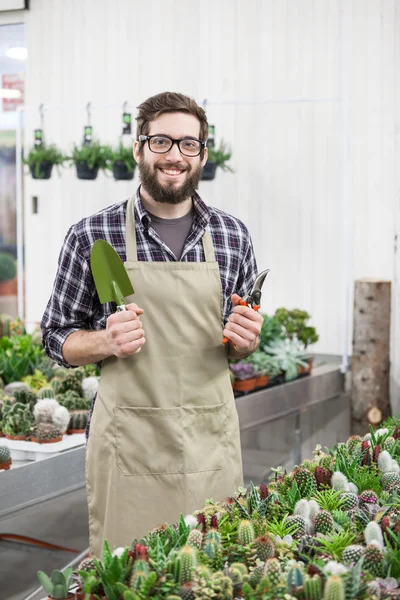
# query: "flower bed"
[[328, 530]]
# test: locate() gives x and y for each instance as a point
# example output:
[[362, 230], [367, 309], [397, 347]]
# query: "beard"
[[168, 193]]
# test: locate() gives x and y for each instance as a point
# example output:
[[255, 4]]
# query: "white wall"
[[290, 181]]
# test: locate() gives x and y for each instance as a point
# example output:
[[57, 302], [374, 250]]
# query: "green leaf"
[[45, 582]]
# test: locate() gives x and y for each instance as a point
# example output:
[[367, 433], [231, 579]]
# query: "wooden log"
[[371, 354]]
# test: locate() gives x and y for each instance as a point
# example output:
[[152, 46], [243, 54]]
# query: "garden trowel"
[[109, 274]]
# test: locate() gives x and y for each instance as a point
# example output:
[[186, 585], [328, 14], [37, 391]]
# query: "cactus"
[[385, 461], [25, 397], [302, 508], [245, 533], [368, 497], [5, 458], [45, 392], [352, 553], [46, 433], [72, 401], [389, 443], [264, 547], [61, 418], [272, 570], [71, 381], [301, 525], [222, 586], [17, 419], [354, 444], [349, 501], [187, 556], [78, 420], [139, 575], [43, 410], [313, 587], [373, 560], [334, 588], [295, 579], [90, 386], [352, 488], [314, 509], [305, 481], [256, 575], [339, 482], [389, 478], [195, 539], [324, 522], [322, 476], [373, 533]]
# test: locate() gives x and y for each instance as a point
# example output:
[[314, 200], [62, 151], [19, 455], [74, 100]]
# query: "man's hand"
[[124, 332], [243, 328]]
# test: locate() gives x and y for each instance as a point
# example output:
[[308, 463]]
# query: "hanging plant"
[[217, 158], [121, 163], [89, 158], [42, 158]]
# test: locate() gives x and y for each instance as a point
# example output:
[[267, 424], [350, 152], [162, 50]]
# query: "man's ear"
[[136, 151], [203, 162]]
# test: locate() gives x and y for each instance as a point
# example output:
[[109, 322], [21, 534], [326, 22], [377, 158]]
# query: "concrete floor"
[[62, 521]]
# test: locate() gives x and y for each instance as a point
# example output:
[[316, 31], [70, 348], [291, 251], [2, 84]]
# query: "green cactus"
[[45, 432], [139, 575], [25, 397], [222, 586], [305, 482], [188, 560], [272, 570], [5, 458], [186, 592], [17, 419], [78, 420], [349, 500], [195, 539], [295, 579], [313, 587], [389, 443], [72, 400], [369, 497], [373, 560], [352, 553], [245, 533], [354, 444], [71, 381], [334, 588], [300, 523], [390, 478], [256, 575], [45, 392], [324, 522], [264, 547]]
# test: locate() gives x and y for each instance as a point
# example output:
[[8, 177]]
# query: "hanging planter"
[[217, 158], [89, 159], [122, 164], [41, 160]]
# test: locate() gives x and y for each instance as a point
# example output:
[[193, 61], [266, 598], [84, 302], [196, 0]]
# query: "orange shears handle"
[[242, 303]]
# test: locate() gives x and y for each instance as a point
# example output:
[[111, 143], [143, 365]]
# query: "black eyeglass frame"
[[143, 138]]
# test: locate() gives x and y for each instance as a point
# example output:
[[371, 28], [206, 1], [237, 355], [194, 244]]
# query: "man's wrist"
[[239, 354]]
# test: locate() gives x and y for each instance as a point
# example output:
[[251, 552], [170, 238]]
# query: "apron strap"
[[130, 241]]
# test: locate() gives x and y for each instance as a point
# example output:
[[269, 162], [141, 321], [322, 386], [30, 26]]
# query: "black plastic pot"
[[209, 171], [45, 170], [83, 171], [120, 171]]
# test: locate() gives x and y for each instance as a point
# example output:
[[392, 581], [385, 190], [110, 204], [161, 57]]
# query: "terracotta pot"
[[71, 596], [244, 385], [53, 441], [2, 434], [262, 381], [5, 465], [310, 365], [9, 288], [71, 431], [16, 437], [81, 596]]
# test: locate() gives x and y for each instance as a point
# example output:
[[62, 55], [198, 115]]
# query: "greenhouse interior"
[[199, 255]]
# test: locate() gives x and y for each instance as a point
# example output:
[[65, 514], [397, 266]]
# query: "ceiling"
[[11, 36]]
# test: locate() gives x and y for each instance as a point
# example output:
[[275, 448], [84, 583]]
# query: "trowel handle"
[[121, 307]]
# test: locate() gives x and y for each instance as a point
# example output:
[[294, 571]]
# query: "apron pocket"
[[149, 440], [204, 430]]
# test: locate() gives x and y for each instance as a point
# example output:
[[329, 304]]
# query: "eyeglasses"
[[160, 144]]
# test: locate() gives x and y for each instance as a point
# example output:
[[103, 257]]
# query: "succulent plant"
[[264, 547], [61, 418], [46, 392], [5, 457], [90, 386], [78, 420], [45, 432], [246, 533], [72, 401], [44, 410], [17, 419]]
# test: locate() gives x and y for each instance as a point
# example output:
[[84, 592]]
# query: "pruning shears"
[[253, 299]]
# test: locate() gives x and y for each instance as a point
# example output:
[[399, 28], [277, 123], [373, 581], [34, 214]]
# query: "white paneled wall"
[[267, 68]]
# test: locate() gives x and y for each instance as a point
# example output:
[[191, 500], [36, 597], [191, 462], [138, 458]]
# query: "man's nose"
[[174, 153]]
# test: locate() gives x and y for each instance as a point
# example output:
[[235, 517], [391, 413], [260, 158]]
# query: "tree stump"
[[371, 354]]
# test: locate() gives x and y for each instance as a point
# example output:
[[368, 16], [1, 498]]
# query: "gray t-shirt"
[[173, 232]]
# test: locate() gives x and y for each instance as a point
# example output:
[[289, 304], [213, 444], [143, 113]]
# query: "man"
[[164, 432]]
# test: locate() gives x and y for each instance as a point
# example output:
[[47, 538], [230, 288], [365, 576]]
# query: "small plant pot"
[[16, 437], [53, 441], [9, 288], [262, 381], [244, 385], [72, 431], [83, 171], [121, 172], [2, 434], [71, 596], [310, 365], [45, 170], [209, 171], [5, 465]]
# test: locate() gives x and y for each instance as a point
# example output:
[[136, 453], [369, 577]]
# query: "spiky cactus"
[[222, 586], [45, 392], [295, 578], [373, 533], [324, 522], [187, 557], [78, 420], [272, 570], [61, 418], [195, 539], [72, 380], [5, 458], [313, 587], [334, 588], [245, 533], [17, 419], [300, 523], [43, 410], [389, 443], [90, 386], [389, 478], [354, 444], [302, 508], [305, 481], [385, 461], [46, 432], [322, 476], [373, 560], [256, 575], [72, 400], [352, 553], [368, 497], [264, 547], [139, 574], [26, 397], [349, 501], [339, 482]]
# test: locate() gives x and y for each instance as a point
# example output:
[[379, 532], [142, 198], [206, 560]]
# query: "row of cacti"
[[328, 530]]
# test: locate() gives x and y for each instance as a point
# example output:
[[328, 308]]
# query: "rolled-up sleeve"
[[73, 301]]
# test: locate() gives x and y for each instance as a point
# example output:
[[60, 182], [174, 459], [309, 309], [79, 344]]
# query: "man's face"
[[171, 177]]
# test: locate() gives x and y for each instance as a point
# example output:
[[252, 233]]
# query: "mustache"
[[177, 166]]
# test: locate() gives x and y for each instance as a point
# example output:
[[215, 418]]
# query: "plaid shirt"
[[74, 304]]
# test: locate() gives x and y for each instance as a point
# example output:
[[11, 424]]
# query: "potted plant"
[[121, 163], [5, 458], [217, 158], [89, 158], [17, 421], [294, 326], [41, 159], [245, 376], [57, 585], [271, 330], [46, 433], [264, 366], [8, 272], [289, 355]]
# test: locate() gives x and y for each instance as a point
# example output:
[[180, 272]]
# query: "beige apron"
[[164, 434]]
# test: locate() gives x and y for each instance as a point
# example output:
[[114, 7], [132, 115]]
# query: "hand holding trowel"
[[110, 276]]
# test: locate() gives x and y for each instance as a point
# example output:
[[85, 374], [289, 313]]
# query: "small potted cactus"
[[46, 433], [245, 376], [78, 421], [17, 421], [58, 584], [5, 458]]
